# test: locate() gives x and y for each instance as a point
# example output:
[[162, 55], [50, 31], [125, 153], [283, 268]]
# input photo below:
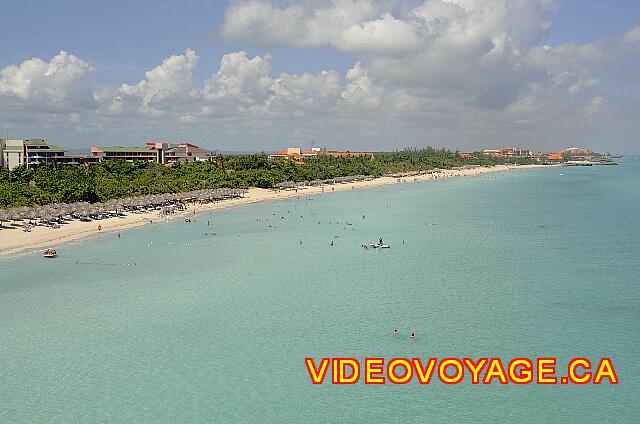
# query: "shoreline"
[[14, 241]]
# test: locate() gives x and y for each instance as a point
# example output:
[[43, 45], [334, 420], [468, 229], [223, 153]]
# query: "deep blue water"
[[167, 324]]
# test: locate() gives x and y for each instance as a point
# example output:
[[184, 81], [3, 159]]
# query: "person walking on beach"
[[99, 227]]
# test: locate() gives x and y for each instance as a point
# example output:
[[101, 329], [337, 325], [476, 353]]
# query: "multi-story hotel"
[[154, 151], [29, 152]]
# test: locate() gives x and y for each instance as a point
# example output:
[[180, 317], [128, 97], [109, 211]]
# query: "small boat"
[[50, 253], [379, 246]]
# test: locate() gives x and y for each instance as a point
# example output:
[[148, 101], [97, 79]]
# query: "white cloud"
[[187, 118], [299, 93], [480, 52], [403, 101], [360, 92], [60, 83], [162, 86], [240, 79], [359, 26], [596, 105], [632, 37], [387, 35]]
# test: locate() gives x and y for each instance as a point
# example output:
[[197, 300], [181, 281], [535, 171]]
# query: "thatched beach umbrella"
[[14, 214], [22, 212], [48, 211]]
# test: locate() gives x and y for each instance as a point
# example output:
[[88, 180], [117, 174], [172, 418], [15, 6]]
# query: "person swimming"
[[412, 336], [395, 332]]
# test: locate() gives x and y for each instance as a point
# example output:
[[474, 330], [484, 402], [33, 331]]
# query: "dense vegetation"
[[113, 179]]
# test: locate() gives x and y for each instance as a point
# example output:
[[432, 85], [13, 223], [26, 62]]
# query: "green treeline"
[[102, 181]]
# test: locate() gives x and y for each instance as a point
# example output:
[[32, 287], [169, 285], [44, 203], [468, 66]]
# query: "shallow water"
[[167, 324]]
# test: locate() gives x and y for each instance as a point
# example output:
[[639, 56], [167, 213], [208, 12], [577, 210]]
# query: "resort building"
[[554, 158], [296, 153], [129, 154], [290, 153], [187, 152], [491, 152], [26, 153], [538, 156], [154, 151], [577, 153], [507, 152]]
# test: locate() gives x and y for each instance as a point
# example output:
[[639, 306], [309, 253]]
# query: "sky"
[[252, 75]]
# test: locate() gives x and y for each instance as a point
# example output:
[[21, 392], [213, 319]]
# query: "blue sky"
[[123, 39], [581, 21], [401, 82]]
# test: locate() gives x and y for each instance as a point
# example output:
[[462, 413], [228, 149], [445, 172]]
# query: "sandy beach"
[[14, 240]]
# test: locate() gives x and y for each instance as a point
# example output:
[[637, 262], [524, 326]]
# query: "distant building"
[[154, 151], [578, 153], [491, 152], [507, 152], [26, 153], [554, 158], [297, 153], [128, 154], [187, 152], [290, 153], [538, 156]]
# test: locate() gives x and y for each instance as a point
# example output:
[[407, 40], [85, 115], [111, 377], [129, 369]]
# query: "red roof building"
[[297, 153]]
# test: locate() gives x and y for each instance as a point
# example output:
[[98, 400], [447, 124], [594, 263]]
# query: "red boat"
[[50, 253]]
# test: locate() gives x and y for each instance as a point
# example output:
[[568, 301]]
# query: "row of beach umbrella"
[[55, 211]]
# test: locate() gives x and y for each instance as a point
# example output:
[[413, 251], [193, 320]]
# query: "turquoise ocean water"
[[214, 328]]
